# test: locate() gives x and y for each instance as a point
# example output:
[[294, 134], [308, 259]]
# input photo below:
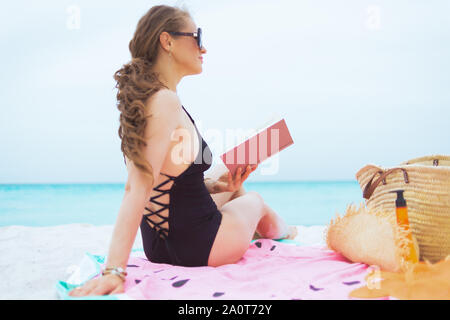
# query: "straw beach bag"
[[426, 182]]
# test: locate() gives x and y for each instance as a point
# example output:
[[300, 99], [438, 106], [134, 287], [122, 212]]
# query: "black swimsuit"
[[193, 217]]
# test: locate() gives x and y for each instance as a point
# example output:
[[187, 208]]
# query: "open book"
[[269, 139]]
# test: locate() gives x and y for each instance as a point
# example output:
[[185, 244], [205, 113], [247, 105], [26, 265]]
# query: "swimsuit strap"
[[188, 114]]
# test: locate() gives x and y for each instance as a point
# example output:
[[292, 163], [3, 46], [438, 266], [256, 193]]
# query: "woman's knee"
[[255, 195], [255, 200], [253, 209], [251, 203]]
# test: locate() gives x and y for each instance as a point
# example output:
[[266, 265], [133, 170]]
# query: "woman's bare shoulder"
[[163, 101]]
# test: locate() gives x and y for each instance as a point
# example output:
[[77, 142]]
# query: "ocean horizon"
[[35, 204]]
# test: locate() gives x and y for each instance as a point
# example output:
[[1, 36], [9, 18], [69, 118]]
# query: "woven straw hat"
[[426, 181]]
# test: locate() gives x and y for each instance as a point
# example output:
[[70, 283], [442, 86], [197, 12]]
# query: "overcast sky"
[[357, 82]]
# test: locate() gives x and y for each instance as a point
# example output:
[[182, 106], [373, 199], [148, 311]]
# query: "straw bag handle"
[[370, 187]]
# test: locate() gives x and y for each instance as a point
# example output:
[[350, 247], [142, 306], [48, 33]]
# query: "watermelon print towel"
[[268, 270]]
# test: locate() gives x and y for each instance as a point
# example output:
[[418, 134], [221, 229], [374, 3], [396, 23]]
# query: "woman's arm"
[[211, 186], [125, 228]]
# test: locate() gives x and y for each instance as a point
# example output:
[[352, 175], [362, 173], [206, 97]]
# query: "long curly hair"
[[136, 81]]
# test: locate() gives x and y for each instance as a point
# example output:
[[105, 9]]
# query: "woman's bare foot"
[[256, 236], [293, 232]]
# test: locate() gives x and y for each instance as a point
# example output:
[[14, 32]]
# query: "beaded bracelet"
[[116, 271]]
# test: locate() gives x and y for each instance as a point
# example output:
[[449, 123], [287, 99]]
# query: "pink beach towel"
[[268, 270]]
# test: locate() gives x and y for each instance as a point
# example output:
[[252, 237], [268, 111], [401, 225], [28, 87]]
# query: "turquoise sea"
[[305, 203]]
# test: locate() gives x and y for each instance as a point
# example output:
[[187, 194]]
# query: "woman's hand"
[[226, 183], [107, 284]]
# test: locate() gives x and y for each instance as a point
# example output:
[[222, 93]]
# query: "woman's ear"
[[165, 41]]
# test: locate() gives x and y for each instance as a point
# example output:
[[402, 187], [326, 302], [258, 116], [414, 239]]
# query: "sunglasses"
[[197, 35]]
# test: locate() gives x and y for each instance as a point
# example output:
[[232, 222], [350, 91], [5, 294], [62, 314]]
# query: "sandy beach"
[[33, 259]]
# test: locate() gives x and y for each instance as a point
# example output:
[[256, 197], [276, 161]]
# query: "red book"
[[266, 142]]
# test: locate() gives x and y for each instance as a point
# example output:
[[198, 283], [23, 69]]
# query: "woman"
[[187, 221]]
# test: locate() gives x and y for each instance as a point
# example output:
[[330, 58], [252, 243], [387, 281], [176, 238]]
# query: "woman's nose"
[[203, 50]]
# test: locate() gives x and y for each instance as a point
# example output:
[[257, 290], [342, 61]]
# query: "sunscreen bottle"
[[401, 211]]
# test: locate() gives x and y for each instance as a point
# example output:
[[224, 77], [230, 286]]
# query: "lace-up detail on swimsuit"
[[157, 226]]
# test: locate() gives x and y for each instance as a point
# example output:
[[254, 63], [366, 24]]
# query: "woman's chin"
[[197, 71]]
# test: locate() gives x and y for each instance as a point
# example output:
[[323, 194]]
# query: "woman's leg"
[[222, 198], [266, 220], [268, 224], [240, 219]]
